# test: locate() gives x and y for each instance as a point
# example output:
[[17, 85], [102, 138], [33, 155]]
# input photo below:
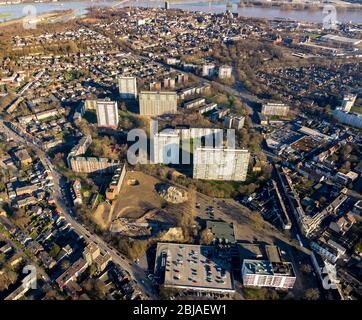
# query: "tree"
[[306, 268], [312, 294]]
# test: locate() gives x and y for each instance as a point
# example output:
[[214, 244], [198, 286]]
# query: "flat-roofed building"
[[340, 41], [127, 87], [93, 164], [275, 109], [235, 122], [225, 72], [93, 255], [195, 103], [107, 114], [166, 147], [75, 192], [208, 70], [155, 103], [348, 102], [220, 164], [264, 273], [193, 267], [348, 118], [116, 183], [221, 231]]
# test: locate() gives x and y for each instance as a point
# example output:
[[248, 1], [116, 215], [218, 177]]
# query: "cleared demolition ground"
[[143, 209]]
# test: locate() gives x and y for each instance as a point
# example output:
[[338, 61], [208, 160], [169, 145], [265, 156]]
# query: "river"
[[9, 12]]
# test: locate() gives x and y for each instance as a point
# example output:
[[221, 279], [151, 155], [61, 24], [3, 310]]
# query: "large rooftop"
[[265, 267], [194, 267], [222, 231]]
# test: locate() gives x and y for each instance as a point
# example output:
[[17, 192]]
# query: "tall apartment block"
[[127, 87], [220, 164], [107, 114], [169, 83], [234, 122], [275, 109], [155, 103], [225, 72], [208, 70], [348, 102], [166, 146]]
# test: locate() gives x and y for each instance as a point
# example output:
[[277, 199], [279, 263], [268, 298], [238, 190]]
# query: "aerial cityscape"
[[180, 150]]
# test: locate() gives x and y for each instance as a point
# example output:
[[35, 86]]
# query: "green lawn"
[[5, 15], [357, 109]]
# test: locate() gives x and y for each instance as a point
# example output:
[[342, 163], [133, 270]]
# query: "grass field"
[[5, 15], [357, 109]]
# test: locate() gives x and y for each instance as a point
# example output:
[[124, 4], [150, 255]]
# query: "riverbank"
[[212, 6], [301, 5], [43, 18]]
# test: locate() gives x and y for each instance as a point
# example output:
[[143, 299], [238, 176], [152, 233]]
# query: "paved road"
[[136, 273]]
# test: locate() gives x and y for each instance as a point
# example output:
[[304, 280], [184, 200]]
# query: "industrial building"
[[220, 164], [193, 267], [155, 103], [107, 114], [127, 87]]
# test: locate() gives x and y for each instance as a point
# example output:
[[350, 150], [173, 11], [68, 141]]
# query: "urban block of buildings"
[[155, 103], [79, 163]]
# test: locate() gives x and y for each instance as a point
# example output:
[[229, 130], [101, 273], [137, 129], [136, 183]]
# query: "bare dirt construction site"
[[102, 215], [139, 208]]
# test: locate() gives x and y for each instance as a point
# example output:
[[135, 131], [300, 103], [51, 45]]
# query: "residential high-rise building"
[[348, 102], [275, 109], [107, 113], [225, 72], [220, 164], [169, 83], [208, 70], [234, 122], [166, 145], [155, 86], [127, 87], [155, 103]]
